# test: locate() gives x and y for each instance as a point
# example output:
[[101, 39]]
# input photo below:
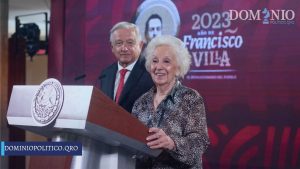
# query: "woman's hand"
[[159, 139]]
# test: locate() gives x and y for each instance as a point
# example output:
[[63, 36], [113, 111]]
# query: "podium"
[[111, 137]]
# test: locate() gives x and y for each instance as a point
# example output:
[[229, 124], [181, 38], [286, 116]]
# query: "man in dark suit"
[[127, 79]]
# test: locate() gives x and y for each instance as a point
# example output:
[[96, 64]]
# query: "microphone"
[[80, 77], [101, 77], [97, 82]]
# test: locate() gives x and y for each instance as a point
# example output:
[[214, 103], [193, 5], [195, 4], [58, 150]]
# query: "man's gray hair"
[[125, 25], [182, 54]]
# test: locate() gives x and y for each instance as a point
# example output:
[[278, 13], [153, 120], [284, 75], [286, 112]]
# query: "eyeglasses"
[[128, 43]]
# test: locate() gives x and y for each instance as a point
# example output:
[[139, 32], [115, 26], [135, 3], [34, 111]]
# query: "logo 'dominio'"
[[47, 102]]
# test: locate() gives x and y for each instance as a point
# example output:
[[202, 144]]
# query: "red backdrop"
[[250, 84]]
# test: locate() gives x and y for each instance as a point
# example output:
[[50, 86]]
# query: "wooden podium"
[[110, 136]]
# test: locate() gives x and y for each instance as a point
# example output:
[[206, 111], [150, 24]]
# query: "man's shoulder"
[[110, 68], [140, 64], [142, 60]]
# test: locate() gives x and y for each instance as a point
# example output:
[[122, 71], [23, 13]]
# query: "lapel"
[[110, 77], [132, 80]]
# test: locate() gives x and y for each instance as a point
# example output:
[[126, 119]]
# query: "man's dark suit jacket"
[[138, 83]]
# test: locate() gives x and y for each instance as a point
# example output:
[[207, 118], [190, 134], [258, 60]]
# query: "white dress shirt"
[[117, 81]]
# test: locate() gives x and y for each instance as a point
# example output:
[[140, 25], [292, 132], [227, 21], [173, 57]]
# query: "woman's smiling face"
[[164, 67]]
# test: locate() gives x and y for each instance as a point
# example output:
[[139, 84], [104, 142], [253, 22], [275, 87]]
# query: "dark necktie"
[[121, 84]]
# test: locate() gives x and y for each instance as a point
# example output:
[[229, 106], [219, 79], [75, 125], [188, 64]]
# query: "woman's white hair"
[[182, 54]]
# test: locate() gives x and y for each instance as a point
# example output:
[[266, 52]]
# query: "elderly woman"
[[174, 113]]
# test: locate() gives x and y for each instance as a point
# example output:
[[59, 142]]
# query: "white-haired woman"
[[174, 113]]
